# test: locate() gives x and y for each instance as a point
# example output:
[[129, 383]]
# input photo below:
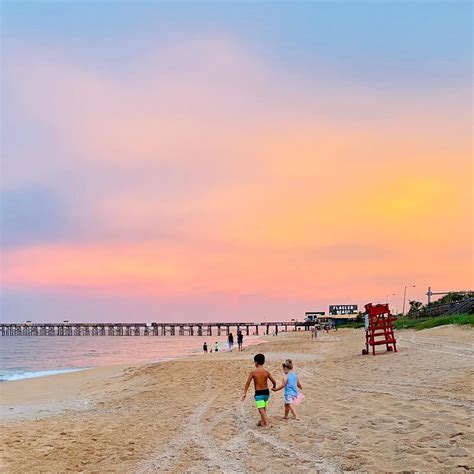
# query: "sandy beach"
[[409, 411]]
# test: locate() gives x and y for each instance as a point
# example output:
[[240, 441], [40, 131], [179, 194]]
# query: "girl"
[[291, 384]]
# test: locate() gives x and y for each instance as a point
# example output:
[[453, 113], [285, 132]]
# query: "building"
[[313, 316]]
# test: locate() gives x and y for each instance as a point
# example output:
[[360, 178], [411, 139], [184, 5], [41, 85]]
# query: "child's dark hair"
[[259, 359], [288, 364]]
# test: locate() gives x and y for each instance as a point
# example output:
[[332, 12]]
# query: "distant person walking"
[[230, 341], [216, 347], [204, 348], [240, 340]]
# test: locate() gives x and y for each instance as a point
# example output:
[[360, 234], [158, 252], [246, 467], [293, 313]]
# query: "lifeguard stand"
[[379, 328]]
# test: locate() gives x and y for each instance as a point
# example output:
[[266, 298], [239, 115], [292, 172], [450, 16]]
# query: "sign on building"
[[342, 309]]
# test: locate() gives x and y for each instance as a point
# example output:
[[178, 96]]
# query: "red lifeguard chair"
[[379, 328]]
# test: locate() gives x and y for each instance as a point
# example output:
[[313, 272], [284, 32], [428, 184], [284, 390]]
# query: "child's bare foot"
[[259, 424], [285, 418]]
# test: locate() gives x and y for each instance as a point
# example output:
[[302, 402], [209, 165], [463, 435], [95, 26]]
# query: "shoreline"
[[39, 397], [390, 412], [34, 374], [18, 376]]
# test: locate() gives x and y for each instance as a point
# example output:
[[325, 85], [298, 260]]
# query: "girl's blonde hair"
[[288, 364]]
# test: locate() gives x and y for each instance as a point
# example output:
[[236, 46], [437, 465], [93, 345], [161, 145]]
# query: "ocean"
[[36, 356]]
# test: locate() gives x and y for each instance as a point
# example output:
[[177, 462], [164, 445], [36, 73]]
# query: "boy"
[[260, 377]]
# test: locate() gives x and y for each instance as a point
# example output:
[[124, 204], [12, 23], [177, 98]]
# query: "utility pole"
[[387, 298], [430, 293]]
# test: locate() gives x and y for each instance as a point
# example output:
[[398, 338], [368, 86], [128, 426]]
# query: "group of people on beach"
[[326, 327], [293, 394], [230, 343], [240, 341]]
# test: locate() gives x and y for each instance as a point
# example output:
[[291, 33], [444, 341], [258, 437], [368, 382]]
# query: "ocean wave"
[[10, 377]]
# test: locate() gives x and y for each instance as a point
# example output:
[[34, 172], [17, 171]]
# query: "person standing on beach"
[[204, 348], [260, 377], [240, 340], [230, 340], [216, 347]]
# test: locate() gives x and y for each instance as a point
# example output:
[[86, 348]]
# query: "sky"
[[206, 161]]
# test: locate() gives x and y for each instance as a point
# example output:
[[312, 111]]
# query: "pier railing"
[[149, 329]]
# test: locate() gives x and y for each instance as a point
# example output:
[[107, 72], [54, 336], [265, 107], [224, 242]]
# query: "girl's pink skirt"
[[295, 400]]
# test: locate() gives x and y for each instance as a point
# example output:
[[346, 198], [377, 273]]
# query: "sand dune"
[[393, 412]]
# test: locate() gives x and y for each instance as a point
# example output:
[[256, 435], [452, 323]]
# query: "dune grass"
[[428, 323]]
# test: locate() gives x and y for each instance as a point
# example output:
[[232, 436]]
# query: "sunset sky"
[[232, 161]]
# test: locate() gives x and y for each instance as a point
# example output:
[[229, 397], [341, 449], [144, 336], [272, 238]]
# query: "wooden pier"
[[148, 329]]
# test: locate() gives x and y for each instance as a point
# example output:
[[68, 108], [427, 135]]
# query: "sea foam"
[[9, 377]]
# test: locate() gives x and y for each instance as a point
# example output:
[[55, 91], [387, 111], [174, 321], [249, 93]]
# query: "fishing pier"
[[148, 329]]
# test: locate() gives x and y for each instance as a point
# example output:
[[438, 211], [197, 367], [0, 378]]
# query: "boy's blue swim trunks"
[[261, 398]]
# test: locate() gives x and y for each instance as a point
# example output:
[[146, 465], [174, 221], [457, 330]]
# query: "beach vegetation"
[[414, 306], [428, 323], [424, 323]]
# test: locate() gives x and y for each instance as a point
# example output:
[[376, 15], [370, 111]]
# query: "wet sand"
[[394, 412]]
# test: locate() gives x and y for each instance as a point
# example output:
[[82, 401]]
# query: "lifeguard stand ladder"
[[379, 330]]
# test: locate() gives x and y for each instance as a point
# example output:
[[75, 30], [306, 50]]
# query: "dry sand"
[[394, 412]]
